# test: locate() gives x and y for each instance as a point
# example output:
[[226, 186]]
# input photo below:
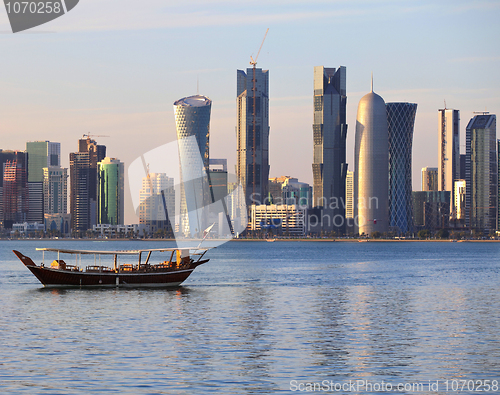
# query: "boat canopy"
[[119, 252]]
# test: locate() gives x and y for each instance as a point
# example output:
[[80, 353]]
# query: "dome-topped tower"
[[371, 186]]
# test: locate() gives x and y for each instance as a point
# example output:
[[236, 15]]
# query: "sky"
[[114, 68]]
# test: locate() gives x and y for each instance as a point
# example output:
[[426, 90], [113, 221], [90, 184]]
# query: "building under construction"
[[252, 132]]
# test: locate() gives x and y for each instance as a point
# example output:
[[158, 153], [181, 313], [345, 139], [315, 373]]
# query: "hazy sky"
[[115, 67]]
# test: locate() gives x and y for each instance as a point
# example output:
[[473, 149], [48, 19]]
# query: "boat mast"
[[147, 259]]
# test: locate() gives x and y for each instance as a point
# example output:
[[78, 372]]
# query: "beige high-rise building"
[[449, 149]]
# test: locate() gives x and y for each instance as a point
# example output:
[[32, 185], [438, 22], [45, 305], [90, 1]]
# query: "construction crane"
[[253, 62]]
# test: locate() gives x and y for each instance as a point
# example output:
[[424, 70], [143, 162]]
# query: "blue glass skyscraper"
[[400, 123], [481, 172]]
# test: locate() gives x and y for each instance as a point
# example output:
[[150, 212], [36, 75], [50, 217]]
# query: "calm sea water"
[[260, 318]]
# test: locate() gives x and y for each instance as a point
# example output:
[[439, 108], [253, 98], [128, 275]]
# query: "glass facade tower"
[[400, 123], [83, 184], [41, 154], [55, 189], [110, 206], [252, 134], [481, 175], [13, 185], [15, 193], [329, 135]]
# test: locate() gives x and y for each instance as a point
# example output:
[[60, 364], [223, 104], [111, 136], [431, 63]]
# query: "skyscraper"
[[498, 185], [371, 189], [55, 199], [41, 154], [296, 192], [252, 133], [111, 198], [55, 189], [192, 119], [431, 209], [449, 150], [330, 133], [481, 175], [400, 122], [83, 181], [429, 179], [157, 202], [15, 193], [14, 185], [218, 178]]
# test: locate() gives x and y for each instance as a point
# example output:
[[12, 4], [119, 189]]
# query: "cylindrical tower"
[[192, 119], [371, 187]]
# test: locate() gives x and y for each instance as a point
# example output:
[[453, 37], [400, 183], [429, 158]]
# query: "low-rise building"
[[284, 219]]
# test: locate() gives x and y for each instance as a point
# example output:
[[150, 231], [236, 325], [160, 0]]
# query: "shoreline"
[[331, 240]]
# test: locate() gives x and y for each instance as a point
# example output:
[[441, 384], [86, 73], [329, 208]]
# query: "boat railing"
[[100, 269]]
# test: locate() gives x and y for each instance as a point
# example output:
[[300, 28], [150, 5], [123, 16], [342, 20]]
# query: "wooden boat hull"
[[66, 278]]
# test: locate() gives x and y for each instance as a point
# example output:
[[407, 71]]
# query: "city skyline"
[[124, 78]]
